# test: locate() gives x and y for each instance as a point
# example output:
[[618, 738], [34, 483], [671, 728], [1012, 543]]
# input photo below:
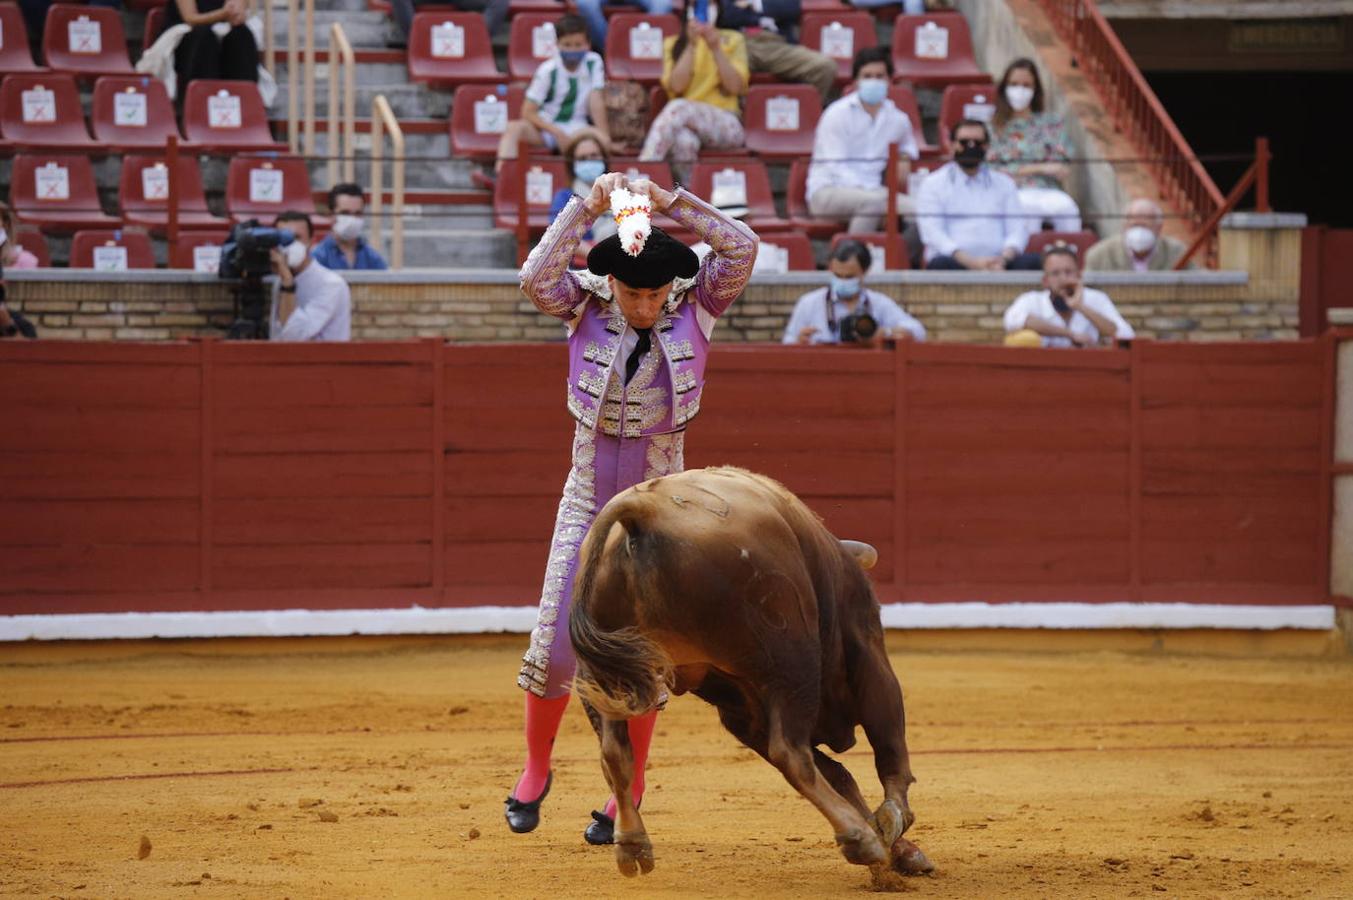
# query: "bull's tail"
[[621, 673]]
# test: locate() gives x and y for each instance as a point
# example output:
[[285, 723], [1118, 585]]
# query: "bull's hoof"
[[888, 822], [908, 859], [633, 854], [861, 848]]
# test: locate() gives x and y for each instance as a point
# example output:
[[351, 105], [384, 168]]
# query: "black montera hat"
[[663, 260]]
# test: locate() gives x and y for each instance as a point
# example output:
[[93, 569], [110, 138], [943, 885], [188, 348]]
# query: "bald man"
[[1141, 247]]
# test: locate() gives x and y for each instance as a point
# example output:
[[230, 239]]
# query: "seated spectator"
[[12, 254], [1029, 143], [564, 92], [586, 161], [770, 29], [201, 54], [970, 215], [819, 315], [850, 151], [591, 11], [312, 303], [1141, 247], [495, 11], [13, 323], [704, 72], [344, 247], [1065, 313]]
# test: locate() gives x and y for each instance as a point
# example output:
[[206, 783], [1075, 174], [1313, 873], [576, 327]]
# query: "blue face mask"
[[588, 170], [845, 288], [872, 91], [572, 58]]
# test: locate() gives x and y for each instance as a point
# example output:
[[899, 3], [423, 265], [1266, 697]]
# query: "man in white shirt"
[[969, 214], [313, 304], [830, 315], [850, 151], [1065, 313]]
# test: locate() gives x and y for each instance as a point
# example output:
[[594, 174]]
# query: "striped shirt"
[[561, 95]]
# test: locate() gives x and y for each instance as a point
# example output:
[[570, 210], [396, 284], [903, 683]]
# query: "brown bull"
[[723, 583]]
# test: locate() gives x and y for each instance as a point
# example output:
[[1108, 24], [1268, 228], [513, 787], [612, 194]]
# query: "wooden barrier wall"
[[213, 475]]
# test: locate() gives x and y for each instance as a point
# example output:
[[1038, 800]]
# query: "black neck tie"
[[632, 363]]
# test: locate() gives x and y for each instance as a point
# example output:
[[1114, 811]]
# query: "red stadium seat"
[[144, 194], [796, 195], [781, 120], [741, 182], [154, 25], [785, 251], [555, 8], [530, 43], [199, 250], [57, 193], [475, 129], [633, 51], [886, 256], [227, 116], [935, 49], [40, 110], [1080, 241], [451, 48], [813, 6], [839, 35], [965, 101], [30, 239], [132, 113], [111, 250], [14, 52], [261, 188], [541, 178], [85, 40]]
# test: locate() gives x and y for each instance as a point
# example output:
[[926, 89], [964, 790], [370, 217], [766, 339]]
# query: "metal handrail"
[[342, 135], [295, 117], [1255, 176], [382, 120], [269, 39], [310, 77]]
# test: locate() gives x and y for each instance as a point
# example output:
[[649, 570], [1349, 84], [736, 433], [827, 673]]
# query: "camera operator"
[[312, 303], [1065, 313], [846, 312]]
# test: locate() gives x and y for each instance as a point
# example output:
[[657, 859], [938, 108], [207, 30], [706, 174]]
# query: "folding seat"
[[450, 48], [739, 183], [530, 43], [965, 101], [634, 46], [154, 25], [132, 113], [934, 49], [839, 35], [815, 6], [1079, 241], [57, 193], [904, 98], [85, 40], [555, 8], [887, 256], [199, 251], [780, 120], [225, 117], [540, 178], [114, 251], [144, 194], [479, 115], [786, 251], [40, 110], [30, 239], [14, 52], [796, 195], [262, 187]]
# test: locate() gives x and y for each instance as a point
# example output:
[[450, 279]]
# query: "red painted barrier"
[[261, 476]]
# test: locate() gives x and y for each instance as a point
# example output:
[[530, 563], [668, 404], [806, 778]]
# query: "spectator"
[[1141, 247], [704, 72], [1029, 143], [1065, 313], [850, 151], [591, 11], [313, 304], [495, 11], [13, 323], [344, 247], [12, 254], [563, 93], [770, 29], [910, 7], [201, 54], [586, 161], [970, 215], [819, 315]]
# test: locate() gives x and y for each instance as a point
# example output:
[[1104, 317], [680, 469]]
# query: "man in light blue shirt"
[[344, 247], [833, 314]]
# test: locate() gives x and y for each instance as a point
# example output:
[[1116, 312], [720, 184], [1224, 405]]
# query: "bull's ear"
[[864, 554]]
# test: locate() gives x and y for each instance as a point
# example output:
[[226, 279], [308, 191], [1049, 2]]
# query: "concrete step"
[[372, 75], [454, 248], [364, 29], [408, 101], [339, 5]]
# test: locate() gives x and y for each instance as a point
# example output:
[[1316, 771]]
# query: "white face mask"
[[4, 237], [1018, 96], [347, 227], [1139, 239], [296, 253]]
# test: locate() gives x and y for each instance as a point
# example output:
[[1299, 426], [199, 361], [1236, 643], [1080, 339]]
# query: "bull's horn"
[[864, 554]]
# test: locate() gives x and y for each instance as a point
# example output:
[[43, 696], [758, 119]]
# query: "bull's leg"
[[839, 777], [633, 852]]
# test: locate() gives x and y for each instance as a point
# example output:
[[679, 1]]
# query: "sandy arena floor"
[[377, 767]]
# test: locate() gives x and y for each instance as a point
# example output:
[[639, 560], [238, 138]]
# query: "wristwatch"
[[287, 288]]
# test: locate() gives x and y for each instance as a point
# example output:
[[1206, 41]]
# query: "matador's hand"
[[599, 200]]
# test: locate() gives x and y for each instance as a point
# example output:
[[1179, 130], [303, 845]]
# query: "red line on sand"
[[145, 777]]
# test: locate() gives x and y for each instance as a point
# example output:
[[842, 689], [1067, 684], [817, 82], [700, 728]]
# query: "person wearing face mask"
[[310, 302], [1065, 313], [344, 247], [850, 150], [969, 214], [818, 314], [586, 161], [12, 253], [1029, 143], [638, 334], [1141, 247]]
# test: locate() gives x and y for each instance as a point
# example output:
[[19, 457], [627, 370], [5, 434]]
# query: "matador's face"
[[641, 306]]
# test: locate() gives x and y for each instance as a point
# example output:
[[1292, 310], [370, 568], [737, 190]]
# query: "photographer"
[[847, 312], [312, 303], [1066, 313]]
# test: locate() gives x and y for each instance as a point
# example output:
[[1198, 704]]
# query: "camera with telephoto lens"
[[246, 257], [858, 328]]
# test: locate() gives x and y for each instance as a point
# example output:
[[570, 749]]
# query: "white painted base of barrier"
[[520, 619]]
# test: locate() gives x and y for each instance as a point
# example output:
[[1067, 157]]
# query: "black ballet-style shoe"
[[601, 831], [523, 817]]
